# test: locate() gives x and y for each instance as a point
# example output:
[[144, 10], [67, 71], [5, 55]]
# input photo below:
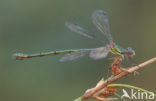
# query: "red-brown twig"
[[98, 88]]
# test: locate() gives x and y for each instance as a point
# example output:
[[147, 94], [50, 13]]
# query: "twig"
[[97, 89]]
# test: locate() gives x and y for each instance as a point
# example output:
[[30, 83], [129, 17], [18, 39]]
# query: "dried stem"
[[97, 89]]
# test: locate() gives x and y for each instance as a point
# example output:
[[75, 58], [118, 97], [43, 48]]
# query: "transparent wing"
[[101, 52], [100, 20], [79, 30], [74, 55], [95, 53]]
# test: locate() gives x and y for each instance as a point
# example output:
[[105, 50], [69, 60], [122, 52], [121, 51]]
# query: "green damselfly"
[[100, 20]]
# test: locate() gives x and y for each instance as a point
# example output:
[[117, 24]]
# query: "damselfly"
[[100, 20]]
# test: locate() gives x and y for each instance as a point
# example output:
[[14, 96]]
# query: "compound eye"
[[130, 50]]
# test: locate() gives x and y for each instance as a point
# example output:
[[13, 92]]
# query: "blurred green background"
[[38, 25]]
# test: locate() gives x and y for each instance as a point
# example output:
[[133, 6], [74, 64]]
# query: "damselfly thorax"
[[117, 50]]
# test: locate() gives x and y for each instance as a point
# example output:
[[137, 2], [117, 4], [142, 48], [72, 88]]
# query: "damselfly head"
[[130, 52]]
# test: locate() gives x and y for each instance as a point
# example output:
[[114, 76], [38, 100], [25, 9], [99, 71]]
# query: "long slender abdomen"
[[21, 56]]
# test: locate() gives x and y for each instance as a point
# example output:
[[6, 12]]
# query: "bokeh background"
[[38, 25]]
